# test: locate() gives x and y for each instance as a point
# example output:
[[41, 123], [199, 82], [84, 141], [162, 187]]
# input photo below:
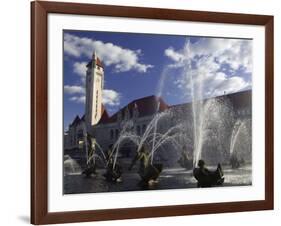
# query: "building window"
[[111, 134]]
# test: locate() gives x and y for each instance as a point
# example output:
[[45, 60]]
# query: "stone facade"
[[143, 110]]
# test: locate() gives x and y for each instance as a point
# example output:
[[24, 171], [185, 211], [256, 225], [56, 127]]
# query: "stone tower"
[[94, 88]]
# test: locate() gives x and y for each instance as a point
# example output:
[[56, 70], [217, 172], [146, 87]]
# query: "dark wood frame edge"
[[39, 107]]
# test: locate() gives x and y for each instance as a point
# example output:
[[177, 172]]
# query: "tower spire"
[[94, 57]]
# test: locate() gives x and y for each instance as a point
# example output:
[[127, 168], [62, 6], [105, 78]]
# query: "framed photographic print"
[[145, 112]]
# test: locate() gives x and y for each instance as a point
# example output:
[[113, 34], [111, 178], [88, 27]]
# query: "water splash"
[[152, 137], [97, 153], [240, 139], [236, 130], [70, 166], [211, 118], [169, 136], [198, 110]]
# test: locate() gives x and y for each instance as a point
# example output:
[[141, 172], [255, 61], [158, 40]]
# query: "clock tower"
[[94, 88]]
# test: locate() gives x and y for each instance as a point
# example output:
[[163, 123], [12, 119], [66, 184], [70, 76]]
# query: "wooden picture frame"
[[39, 112]]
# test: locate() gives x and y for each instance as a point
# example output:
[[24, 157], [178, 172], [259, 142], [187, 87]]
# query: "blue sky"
[[135, 63]]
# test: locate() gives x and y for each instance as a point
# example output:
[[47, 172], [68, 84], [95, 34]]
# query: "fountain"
[[70, 166], [211, 118], [238, 128], [203, 126], [211, 124], [93, 153], [169, 136], [93, 156], [239, 145], [152, 138]]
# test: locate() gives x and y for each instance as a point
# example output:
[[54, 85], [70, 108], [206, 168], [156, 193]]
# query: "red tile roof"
[[98, 62], [239, 100], [146, 106]]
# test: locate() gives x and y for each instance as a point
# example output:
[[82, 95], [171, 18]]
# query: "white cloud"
[[74, 89], [78, 99], [234, 52], [231, 85], [80, 68], [217, 66], [170, 52], [111, 97], [121, 59]]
